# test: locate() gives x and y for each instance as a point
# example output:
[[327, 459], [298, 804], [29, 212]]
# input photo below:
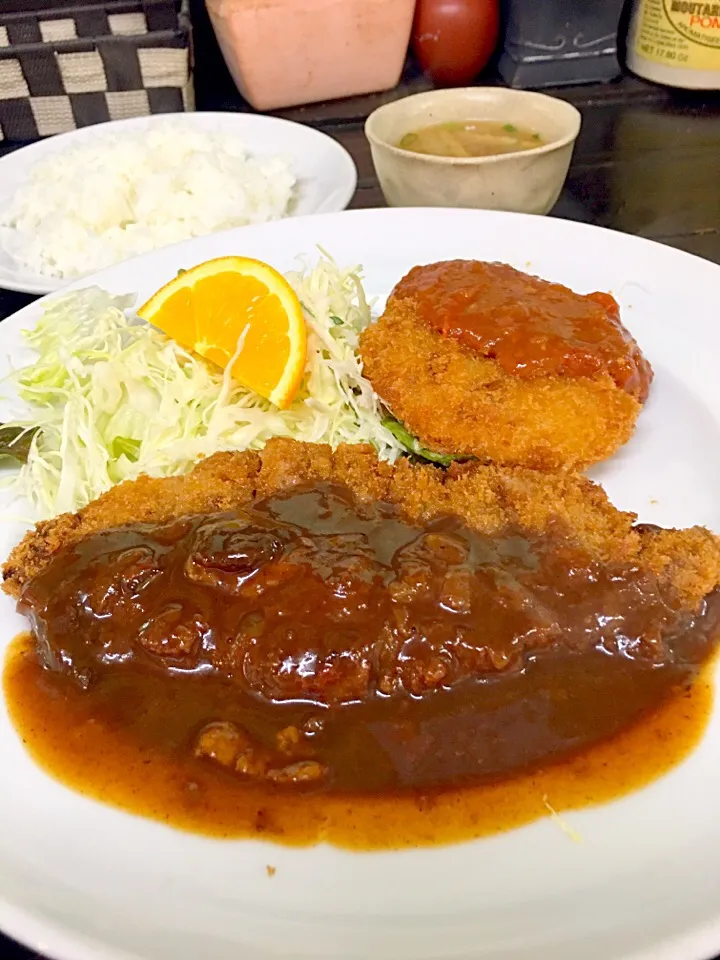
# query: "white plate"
[[81, 881], [325, 171]]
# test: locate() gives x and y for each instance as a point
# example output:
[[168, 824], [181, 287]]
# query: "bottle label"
[[679, 33]]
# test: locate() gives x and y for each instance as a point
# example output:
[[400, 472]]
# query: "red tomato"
[[454, 39]]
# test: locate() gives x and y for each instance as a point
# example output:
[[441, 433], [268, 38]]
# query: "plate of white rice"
[[82, 201]]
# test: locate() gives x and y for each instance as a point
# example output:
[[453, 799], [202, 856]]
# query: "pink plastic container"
[[285, 52]]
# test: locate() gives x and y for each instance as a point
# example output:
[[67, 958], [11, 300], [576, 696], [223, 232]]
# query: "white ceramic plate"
[[81, 881], [325, 171]]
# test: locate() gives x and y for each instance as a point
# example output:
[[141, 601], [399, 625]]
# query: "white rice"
[[95, 204]]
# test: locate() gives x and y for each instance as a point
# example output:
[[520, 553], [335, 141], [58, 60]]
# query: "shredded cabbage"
[[112, 397]]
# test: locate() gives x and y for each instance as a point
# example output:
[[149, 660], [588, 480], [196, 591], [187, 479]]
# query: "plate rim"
[[630, 240], [31, 932]]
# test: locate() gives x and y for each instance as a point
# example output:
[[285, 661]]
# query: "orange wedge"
[[240, 311]]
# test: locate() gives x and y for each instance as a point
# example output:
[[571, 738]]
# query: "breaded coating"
[[459, 403], [487, 497]]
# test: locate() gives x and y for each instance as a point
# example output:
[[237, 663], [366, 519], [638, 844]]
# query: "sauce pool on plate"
[[82, 742], [470, 138]]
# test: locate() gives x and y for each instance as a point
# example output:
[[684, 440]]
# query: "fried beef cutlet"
[[470, 357], [305, 615], [488, 498]]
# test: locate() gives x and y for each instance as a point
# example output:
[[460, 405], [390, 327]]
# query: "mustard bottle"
[[676, 42]]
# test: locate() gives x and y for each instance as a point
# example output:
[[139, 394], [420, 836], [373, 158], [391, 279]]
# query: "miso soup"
[[470, 138]]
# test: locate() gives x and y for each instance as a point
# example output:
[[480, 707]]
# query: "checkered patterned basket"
[[71, 63]]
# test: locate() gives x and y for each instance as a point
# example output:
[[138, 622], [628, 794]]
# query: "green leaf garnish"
[[336, 320], [414, 447], [510, 128], [15, 442]]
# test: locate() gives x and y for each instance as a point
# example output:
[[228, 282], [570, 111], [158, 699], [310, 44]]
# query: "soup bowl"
[[528, 181]]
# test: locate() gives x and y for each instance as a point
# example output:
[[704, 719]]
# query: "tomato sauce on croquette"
[[529, 326]]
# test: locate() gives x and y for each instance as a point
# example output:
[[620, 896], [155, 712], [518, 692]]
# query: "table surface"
[[647, 162]]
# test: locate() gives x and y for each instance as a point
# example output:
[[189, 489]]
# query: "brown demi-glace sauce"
[[309, 668], [529, 326]]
